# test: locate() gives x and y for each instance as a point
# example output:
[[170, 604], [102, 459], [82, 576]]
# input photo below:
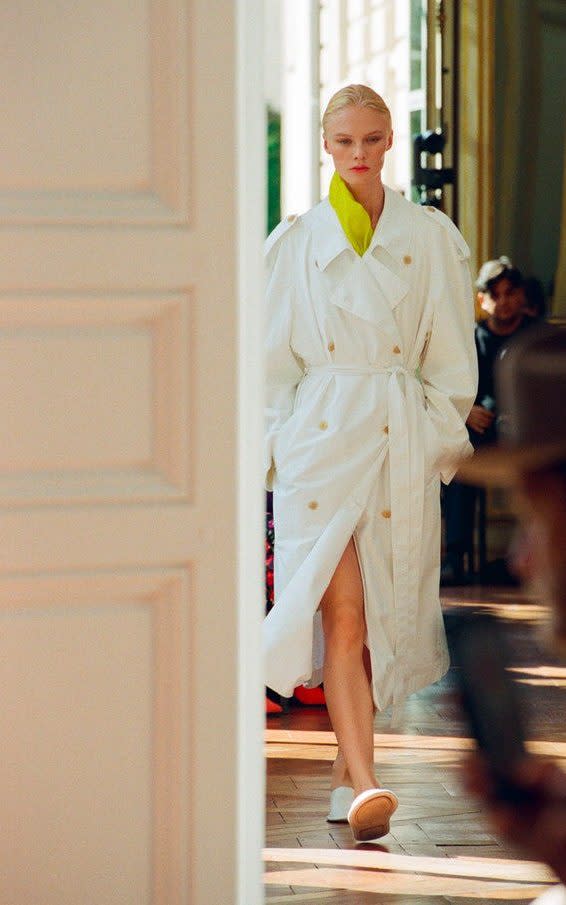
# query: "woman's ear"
[[325, 144], [389, 140]]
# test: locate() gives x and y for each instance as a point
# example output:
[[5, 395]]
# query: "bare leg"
[[346, 685], [340, 773]]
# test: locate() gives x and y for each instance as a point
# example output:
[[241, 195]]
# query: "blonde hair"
[[354, 96]]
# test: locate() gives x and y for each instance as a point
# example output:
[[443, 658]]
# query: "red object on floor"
[[272, 707], [310, 697]]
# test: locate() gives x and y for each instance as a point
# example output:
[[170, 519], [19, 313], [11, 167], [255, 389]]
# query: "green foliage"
[[273, 169]]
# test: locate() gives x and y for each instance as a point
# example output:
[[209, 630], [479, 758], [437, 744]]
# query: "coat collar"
[[370, 289], [394, 227], [330, 240]]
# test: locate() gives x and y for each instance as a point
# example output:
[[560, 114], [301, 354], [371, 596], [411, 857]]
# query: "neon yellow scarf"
[[354, 218]]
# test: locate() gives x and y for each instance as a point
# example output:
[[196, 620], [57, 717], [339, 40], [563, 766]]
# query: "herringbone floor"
[[440, 850]]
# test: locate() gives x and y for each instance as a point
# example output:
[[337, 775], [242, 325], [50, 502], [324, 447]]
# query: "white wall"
[[273, 53], [300, 110]]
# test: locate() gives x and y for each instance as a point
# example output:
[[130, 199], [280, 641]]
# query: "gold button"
[[291, 218], [386, 513], [331, 346], [323, 425], [396, 349], [407, 259], [431, 208], [313, 504], [385, 430]]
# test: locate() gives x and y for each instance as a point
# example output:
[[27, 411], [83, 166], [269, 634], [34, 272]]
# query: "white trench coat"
[[371, 373]]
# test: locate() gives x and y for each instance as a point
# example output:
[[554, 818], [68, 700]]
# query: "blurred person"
[[534, 299], [371, 373], [530, 457], [499, 286]]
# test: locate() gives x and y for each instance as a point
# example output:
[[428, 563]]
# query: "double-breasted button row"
[[313, 504], [331, 348]]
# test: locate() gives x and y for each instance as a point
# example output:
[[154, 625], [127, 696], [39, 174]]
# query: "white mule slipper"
[[340, 802], [370, 813]]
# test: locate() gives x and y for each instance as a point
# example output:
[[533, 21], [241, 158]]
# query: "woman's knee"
[[343, 627]]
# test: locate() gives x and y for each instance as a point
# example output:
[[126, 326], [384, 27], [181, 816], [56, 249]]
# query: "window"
[[417, 80]]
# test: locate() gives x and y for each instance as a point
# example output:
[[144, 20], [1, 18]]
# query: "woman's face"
[[357, 139]]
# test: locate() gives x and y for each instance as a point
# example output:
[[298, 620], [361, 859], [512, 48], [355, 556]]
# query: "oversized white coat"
[[371, 373]]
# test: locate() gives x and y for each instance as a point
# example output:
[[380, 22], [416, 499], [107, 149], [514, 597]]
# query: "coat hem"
[[420, 681]]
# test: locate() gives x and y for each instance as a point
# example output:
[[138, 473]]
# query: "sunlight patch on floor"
[[486, 868], [511, 610], [380, 872], [543, 676], [546, 672], [308, 745], [403, 884]]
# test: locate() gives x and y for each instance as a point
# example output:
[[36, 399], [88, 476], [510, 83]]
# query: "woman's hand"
[[538, 824], [479, 419]]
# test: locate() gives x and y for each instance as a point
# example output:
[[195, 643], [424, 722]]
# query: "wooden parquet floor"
[[440, 849]]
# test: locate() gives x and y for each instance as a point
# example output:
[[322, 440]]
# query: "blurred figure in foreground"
[[530, 457]]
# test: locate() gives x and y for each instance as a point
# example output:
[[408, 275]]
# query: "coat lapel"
[[367, 286], [370, 291], [391, 241], [328, 238]]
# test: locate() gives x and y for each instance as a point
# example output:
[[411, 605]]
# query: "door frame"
[[251, 133]]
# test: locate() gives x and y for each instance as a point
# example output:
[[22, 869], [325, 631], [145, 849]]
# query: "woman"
[[371, 375]]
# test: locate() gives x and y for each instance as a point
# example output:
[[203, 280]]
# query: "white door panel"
[[92, 766], [121, 593]]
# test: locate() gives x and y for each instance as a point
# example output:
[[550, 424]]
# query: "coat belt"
[[406, 477], [358, 370]]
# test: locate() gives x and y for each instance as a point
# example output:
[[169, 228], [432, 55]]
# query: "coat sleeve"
[[449, 371], [284, 370]]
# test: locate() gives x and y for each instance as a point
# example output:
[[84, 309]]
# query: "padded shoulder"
[[451, 228], [276, 235]]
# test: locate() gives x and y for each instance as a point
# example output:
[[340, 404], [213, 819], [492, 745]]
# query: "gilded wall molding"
[[475, 128], [559, 302]]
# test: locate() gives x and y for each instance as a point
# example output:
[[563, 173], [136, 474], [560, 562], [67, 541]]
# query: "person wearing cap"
[[499, 287], [530, 457]]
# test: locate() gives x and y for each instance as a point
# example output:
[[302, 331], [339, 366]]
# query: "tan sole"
[[370, 819]]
